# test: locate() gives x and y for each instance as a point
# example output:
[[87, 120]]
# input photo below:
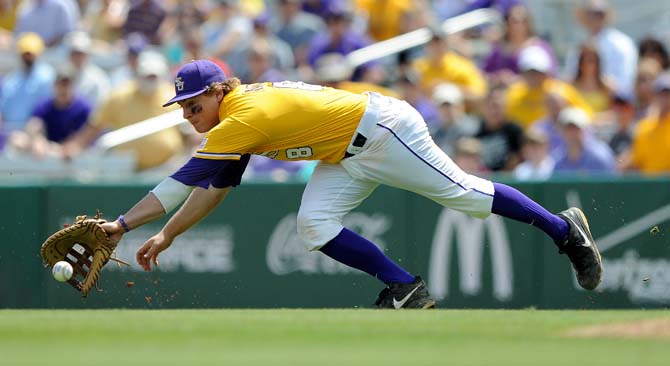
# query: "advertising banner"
[[247, 252]]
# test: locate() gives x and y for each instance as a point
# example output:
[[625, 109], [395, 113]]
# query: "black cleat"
[[581, 249], [405, 296]]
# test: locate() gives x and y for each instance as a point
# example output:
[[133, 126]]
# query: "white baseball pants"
[[398, 152]]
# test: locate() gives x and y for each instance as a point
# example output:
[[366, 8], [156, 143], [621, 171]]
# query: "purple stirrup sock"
[[511, 203], [357, 252]]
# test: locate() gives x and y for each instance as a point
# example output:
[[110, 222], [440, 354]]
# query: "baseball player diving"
[[361, 141]]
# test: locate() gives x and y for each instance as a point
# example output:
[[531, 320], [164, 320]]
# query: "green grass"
[[319, 337]]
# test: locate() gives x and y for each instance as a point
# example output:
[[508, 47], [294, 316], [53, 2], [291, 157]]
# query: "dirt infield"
[[652, 328]]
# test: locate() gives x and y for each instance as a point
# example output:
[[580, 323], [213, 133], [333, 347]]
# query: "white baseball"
[[62, 271]]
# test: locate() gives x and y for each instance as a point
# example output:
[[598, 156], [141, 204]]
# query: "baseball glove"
[[86, 246]]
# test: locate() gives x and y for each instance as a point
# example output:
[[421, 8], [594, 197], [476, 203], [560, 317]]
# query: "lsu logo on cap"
[[179, 83]]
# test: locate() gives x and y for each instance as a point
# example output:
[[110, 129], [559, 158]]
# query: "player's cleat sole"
[[405, 296], [581, 249]]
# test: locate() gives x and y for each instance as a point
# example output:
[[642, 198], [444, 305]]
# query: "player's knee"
[[308, 230], [316, 232]]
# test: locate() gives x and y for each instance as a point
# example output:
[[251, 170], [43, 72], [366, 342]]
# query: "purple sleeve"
[[231, 174], [219, 173], [41, 109]]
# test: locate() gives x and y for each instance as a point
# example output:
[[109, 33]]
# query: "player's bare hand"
[[114, 231], [149, 251]]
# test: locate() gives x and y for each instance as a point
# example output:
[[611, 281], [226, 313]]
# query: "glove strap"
[[122, 221]]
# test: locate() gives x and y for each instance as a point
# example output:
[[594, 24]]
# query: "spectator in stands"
[[91, 80], [135, 44], [320, 8], [647, 72], [591, 82], [104, 19], [281, 55], [182, 16], [146, 17], [339, 37], [138, 101], [467, 155], [410, 91], [8, 14], [617, 50], [548, 125], [296, 27], [500, 139], [525, 99], [386, 19], [650, 152], [192, 48], [652, 47], [55, 119], [332, 70], [225, 29], [538, 163], [623, 123], [582, 155], [27, 85], [454, 123], [441, 65], [50, 19], [502, 62], [260, 63]]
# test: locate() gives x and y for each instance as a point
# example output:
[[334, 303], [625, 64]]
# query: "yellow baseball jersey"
[[452, 68], [386, 18], [651, 145], [526, 105], [127, 105], [285, 121]]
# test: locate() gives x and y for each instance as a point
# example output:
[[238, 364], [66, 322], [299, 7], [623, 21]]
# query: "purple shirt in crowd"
[[59, 124], [145, 17], [321, 7], [597, 158], [499, 59], [350, 41], [549, 129]]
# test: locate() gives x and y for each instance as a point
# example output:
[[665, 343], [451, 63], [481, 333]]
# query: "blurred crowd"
[[72, 70]]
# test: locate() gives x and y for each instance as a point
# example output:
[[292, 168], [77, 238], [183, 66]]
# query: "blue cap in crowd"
[[194, 78]]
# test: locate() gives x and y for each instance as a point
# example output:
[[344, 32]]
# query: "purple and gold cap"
[[193, 79]]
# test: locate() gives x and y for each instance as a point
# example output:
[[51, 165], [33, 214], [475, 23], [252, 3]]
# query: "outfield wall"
[[247, 253]]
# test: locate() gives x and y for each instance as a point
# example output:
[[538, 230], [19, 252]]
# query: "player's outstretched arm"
[[146, 210], [198, 205]]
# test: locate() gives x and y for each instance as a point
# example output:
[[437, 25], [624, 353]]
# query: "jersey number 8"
[[299, 152]]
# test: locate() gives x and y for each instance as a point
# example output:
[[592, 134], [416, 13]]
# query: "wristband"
[[122, 221]]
